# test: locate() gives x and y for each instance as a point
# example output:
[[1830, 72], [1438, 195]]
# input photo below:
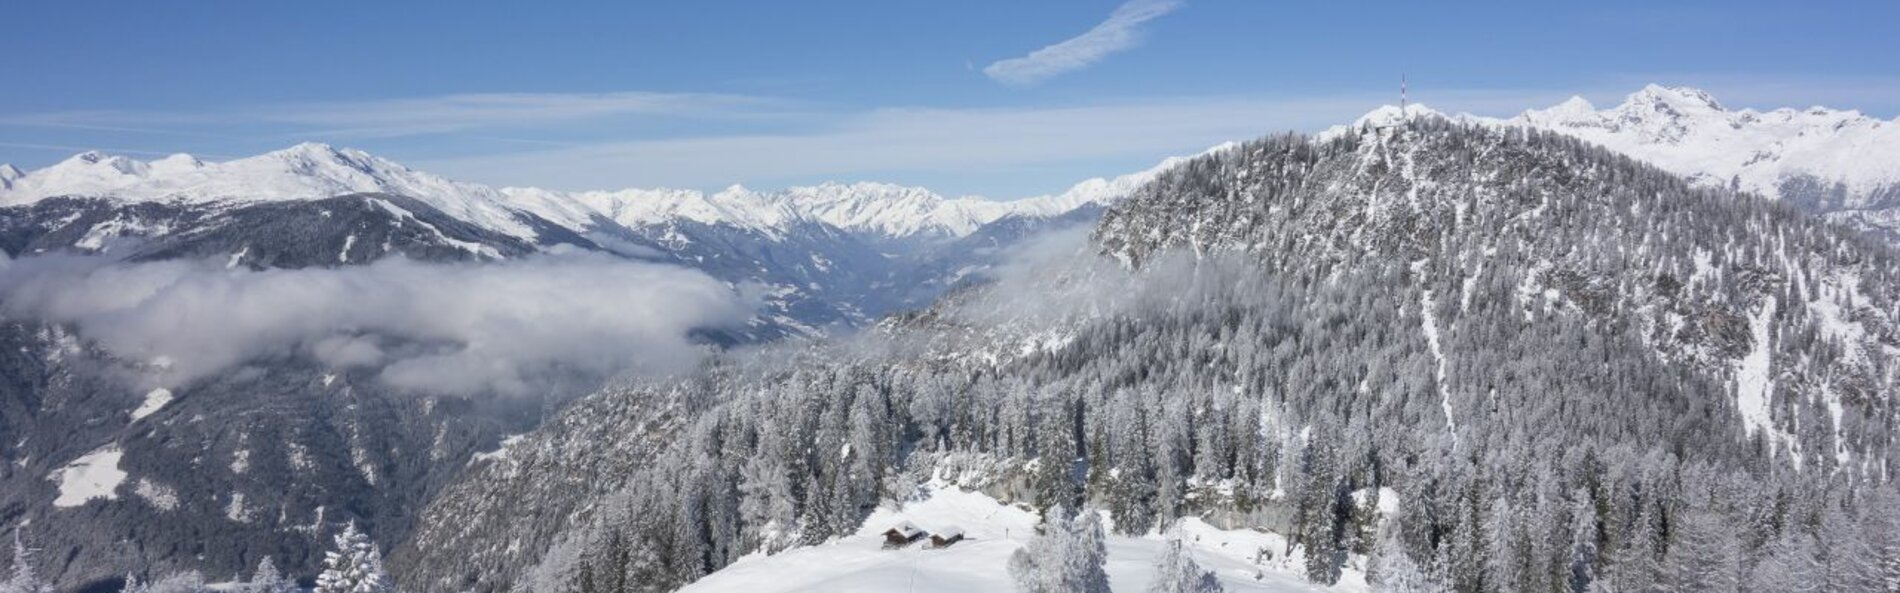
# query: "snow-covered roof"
[[906, 529], [950, 531]]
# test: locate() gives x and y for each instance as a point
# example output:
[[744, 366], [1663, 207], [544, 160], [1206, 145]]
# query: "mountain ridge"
[[1840, 164], [314, 170]]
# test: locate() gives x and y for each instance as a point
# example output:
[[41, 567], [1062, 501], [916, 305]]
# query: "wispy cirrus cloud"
[[1120, 32]]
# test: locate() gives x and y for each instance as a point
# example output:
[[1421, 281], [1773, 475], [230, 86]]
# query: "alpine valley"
[[1644, 348]]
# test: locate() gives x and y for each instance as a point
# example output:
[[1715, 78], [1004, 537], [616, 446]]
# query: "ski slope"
[[860, 564]]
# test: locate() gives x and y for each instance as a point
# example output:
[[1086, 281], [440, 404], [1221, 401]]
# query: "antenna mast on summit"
[[1402, 94]]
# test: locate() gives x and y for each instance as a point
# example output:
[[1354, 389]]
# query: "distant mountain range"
[[828, 256], [311, 170]]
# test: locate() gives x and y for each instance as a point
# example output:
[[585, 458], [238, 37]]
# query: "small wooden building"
[[903, 534], [946, 536]]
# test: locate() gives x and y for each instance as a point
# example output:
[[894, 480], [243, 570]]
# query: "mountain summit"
[[1840, 164]]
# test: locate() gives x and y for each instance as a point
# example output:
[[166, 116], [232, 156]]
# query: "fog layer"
[[442, 328]]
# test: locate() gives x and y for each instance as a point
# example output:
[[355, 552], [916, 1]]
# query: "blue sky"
[[1004, 99]]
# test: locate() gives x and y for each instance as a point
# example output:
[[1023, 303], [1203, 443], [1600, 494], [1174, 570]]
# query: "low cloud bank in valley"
[[440, 328]]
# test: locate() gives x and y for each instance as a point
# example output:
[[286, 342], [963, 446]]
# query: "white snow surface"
[[860, 564], [1688, 132], [93, 475], [1752, 373], [304, 171], [500, 452], [154, 400], [314, 171]]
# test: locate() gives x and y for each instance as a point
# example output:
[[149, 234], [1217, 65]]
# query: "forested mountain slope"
[[313, 269], [1797, 316], [1572, 368]]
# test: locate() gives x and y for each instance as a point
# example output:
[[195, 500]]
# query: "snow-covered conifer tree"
[[24, 579], [1067, 558], [1583, 542], [1175, 572], [1391, 569], [355, 566], [268, 580]]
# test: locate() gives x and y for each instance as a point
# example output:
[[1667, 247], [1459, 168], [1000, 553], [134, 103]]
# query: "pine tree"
[[1636, 569], [1790, 564], [24, 579], [1882, 528], [1844, 553], [1067, 558], [267, 580], [1583, 542], [1391, 569], [1703, 556], [355, 566], [1175, 572]]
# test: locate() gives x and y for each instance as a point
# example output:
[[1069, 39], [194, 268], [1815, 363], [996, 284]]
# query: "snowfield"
[[154, 400], [992, 531], [93, 475]]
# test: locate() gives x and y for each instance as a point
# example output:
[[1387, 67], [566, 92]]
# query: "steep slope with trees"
[[1570, 368]]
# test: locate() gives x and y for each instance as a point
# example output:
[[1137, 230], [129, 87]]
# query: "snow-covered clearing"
[[500, 452], [860, 564], [1753, 376], [154, 400], [93, 475]]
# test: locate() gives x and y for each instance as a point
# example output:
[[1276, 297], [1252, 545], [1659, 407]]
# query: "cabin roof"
[[906, 529]]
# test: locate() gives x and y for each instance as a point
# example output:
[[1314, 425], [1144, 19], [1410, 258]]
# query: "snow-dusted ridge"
[[311, 170], [1826, 160]]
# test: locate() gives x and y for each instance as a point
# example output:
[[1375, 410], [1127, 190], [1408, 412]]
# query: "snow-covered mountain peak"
[[885, 208], [96, 159], [1386, 115], [1380, 117], [1575, 105], [1680, 97], [1688, 132], [1826, 159], [176, 163]]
